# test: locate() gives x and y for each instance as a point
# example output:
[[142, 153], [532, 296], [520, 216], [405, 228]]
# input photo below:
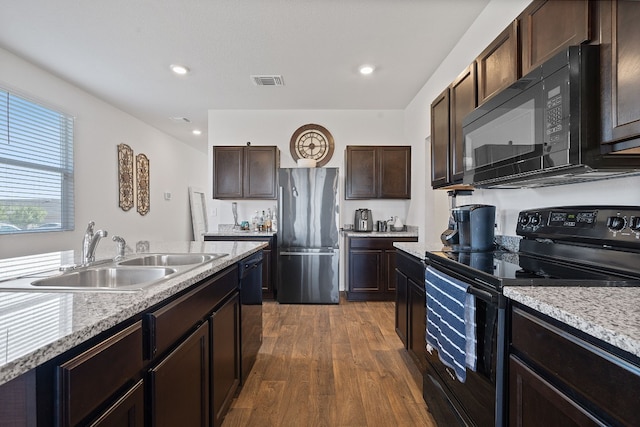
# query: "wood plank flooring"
[[331, 365]]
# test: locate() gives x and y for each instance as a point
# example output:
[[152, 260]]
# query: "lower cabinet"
[[176, 364], [371, 265], [225, 357], [411, 310], [559, 376], [179, 384]]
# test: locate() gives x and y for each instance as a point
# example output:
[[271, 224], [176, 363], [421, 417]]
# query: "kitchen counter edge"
[[96, 312]]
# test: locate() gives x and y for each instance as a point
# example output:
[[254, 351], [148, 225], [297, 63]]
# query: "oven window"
[[511, 133]]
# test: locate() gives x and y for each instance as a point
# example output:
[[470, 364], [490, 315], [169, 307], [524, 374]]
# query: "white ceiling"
[[120, 50]]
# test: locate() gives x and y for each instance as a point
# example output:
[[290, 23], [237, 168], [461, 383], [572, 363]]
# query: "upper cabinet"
[[447, 112], [499, 64], [543, 29], [548, 26], [378, 172], [245, 172], [620, 62]]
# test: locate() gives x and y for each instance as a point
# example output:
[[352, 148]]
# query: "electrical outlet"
[[499, 224]]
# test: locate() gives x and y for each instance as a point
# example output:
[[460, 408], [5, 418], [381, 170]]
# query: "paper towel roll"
[[306, 163]]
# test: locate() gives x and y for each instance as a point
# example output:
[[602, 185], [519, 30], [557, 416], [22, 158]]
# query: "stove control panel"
[[600, 225]]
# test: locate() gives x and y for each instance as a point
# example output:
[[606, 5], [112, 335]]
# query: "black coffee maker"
[[476, 227], [450, 236]]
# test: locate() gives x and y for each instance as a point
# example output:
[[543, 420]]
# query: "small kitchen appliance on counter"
[[476, 227], [450, 236], [363, 220]]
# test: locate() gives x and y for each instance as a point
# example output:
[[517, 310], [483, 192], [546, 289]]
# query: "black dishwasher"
[[250, 270]]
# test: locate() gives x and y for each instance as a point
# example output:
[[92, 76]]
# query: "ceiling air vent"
[[267, 80], [180, 119]]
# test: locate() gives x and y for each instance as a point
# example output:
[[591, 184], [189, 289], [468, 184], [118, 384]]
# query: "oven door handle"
[[479, 293]]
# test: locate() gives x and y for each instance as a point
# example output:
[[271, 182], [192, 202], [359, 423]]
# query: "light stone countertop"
[[410, 232], [240, 233], [418, 249], [610, 314], [38, 326]]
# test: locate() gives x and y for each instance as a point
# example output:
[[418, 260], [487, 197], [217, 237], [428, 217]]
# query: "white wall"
[[433, 204], [275, 127], [99, 128]]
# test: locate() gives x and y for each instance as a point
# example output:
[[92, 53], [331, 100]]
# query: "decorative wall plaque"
[[142, 178], [125, 176]]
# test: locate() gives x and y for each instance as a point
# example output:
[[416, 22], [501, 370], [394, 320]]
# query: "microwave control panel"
[[553, 115]]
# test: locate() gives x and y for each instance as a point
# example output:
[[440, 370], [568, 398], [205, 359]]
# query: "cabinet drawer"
[[90, 378], [593, 375], [169, 323]]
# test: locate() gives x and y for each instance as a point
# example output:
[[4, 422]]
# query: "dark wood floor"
[[331, 365]]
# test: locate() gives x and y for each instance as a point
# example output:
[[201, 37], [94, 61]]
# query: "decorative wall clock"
[[312, 142]]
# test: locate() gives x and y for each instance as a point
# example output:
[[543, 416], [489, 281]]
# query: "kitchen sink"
[[129, 275], [168, 260], [106, 278]]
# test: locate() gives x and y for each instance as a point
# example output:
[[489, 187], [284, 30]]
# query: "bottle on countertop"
[[274, 220]]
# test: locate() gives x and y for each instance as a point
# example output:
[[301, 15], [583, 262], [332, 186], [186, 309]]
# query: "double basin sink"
[[127, 275]]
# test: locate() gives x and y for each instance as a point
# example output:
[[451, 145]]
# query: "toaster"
[[363, 220]]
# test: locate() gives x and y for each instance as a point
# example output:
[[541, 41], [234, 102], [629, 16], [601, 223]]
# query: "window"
[[36, 167]]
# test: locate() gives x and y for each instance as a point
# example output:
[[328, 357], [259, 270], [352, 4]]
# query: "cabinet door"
[[362, 170], [395, 172], [548, 26], [416, 341], [88, 380], [225, 357], [228, 170], [534, 402], [498, 64], [128, 411], [390, 269], [401, 306], [619, 66], [366, 271], [463, 101], [260, 166], [179, 384], [440, 128]]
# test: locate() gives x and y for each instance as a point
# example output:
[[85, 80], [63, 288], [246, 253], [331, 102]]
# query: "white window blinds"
[[36, 167]]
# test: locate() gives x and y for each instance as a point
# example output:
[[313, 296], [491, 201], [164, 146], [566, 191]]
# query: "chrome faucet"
[[90, 242], [121, 244]]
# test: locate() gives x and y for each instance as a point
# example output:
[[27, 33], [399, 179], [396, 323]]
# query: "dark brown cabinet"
[[128, 411], [620, 34], [225, 357], [548, 26], [85, 381], [245, 172], [559, 376], [269, 259], [411, 306], [371, 268], [499, 64], [179, 384], [378, 172], [447, 113]]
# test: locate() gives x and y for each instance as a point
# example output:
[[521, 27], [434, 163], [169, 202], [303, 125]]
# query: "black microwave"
[[543, 129]]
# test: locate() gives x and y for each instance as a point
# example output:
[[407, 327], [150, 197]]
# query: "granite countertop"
[[610, 314], [37, 326], [241, 233], [418, 249], [411, 231]]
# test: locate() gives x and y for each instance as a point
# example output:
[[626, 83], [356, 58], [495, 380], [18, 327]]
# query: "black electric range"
[[563, 246]]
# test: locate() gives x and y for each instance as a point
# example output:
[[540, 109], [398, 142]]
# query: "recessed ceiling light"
[[181, 70], [366, 69], [196, 132]]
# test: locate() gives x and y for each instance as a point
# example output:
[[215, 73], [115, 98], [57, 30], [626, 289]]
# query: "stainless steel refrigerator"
[[308, 234]]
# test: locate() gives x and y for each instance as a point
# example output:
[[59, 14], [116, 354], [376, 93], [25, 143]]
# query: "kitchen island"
[[47, 336]]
